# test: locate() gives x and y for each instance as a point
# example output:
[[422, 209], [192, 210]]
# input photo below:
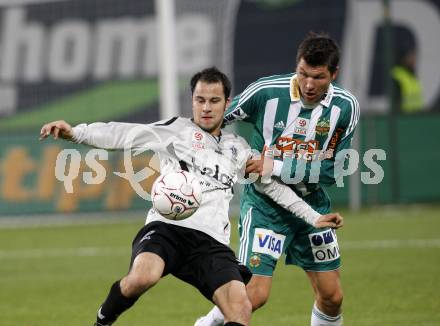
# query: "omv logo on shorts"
[[324, 246], [268, 242]]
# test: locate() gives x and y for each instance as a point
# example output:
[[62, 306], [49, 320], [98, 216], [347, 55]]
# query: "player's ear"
[[335, 74], [228, 102]]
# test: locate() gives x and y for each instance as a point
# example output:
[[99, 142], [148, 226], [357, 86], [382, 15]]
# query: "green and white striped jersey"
[[304, 140]]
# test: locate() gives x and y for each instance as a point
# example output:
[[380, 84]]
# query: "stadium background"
[[96, 60]]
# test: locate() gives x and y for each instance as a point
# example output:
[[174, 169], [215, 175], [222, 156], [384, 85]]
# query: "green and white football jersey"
[[305, 142], [297, 134]]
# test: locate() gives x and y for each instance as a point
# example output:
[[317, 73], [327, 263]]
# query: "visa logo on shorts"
[[325, 246], [268, 242]]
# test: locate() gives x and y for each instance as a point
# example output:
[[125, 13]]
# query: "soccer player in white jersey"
[[305, 120], [194, 250]]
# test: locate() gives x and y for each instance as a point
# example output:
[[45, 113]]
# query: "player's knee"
[[134, 284], [337, 298], [332, 299], [258, 296], [258, 301]]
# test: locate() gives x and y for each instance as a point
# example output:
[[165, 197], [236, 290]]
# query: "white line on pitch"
[[390, 244], [120, 251], [67, 252]]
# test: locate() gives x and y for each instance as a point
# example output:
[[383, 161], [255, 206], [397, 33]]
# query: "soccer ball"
[[176, 195]]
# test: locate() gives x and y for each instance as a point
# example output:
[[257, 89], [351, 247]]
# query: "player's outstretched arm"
[[57, 129], [117, 135]]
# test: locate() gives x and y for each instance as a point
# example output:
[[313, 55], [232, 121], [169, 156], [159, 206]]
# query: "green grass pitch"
[[59, 275]]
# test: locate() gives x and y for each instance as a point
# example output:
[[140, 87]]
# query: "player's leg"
[[146, 268], [258, 291], [317, 252], [214, 270], [259, 253], [146, 271], [232, 299], [328, 298], [262, 242]]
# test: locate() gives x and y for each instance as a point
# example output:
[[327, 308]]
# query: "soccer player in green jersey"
[[306, 122]]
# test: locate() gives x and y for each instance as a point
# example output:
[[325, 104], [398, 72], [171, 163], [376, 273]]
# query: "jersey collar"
[[295, 95], [217, 138]]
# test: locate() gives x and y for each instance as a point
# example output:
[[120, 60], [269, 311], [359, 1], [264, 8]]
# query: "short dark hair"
[[212, 75], [319, 50]]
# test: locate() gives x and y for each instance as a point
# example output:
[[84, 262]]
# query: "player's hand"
[[332, 220], [57, 129], [261, 164]]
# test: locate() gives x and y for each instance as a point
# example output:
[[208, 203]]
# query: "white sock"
[[321, 319], [213, 318]]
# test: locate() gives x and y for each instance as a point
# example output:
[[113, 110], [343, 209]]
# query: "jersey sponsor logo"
[[288, 143], [214, 172], [335, 138], [322, 127], [198, 136], [198, 141], [301, 126], [325, 246], [280, 125], [286, 147], [268, 242], [296, 148], [285, 143]]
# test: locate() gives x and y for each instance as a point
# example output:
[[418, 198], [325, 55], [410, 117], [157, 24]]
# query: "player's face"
[[313, 81], [209, 105]]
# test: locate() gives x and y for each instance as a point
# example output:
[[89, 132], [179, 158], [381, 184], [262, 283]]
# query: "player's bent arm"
[[289, 200], [279, 192]]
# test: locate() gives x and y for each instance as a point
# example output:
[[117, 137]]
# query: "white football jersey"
[[218, 162], [179, 143]]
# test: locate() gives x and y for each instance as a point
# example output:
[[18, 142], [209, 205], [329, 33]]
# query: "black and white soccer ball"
[[176, 195]]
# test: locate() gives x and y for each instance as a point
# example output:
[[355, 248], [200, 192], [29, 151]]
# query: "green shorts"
[[266, 235]]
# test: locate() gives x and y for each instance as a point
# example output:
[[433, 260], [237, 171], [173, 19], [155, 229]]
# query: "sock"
[[321, 319], [232, 323], [114, 305], [213, 318]]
